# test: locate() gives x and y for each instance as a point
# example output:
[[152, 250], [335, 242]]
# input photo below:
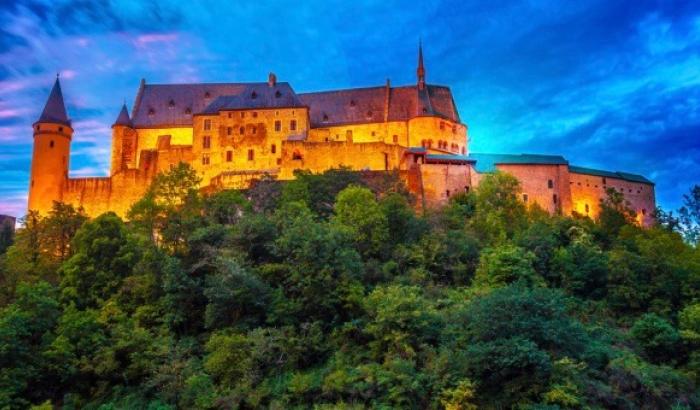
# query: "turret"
[[123, 142], [51, 153], [420, 71]]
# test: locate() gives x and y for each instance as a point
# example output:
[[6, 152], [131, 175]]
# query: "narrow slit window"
[[251, 155]]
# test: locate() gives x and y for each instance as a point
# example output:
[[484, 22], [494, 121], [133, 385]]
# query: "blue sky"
[[607, 84]]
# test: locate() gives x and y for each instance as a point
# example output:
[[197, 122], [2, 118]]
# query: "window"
[[605, 182], [241, 130], [644, 211], [373, 133], [229, 156], [242, 114], [205, 159], [442, 125], [554, 198], [550, 184], [348, 135], [254, 129], [454, 129], [524, 197], [273, 148], [587, 209], [278, 125], [51, 144], [229, 130], [229, 115], [396, 139], [466, 189], [255, 114], [296, 155], [206, 142], [447, 193], [251, 155], [60, 129], [207, 125], [292, 125]]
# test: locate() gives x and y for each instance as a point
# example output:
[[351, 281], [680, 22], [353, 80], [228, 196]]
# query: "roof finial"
[[421, 69], [58, 74]]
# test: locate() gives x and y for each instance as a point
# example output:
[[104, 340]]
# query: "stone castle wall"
[[588, 190]]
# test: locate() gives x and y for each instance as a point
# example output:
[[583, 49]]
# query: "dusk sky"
[[613, 85]]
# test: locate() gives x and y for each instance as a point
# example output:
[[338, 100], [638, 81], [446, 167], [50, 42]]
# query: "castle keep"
[[235, 133]]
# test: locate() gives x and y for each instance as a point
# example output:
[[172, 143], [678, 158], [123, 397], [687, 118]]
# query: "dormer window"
[[325, 117], [278, 94], [352, 103], [188, 111], [151, 112], [425, 110], [207, 94], [171, 104], [253, 95]]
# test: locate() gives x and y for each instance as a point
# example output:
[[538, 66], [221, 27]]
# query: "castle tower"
[[51, 153], [123, 142]]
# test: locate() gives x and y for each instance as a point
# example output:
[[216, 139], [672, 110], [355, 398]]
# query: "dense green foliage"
[[330, 291]]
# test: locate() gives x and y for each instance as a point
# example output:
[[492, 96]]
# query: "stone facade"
[[235, 133]]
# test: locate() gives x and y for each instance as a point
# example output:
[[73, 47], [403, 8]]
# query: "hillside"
[[326, 292]]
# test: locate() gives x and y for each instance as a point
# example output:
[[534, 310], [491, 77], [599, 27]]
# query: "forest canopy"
[[332, 291]]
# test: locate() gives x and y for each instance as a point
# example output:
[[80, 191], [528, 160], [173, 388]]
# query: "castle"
[[233, 134]]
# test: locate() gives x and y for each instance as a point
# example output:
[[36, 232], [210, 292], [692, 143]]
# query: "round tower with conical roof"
[[52, 136]]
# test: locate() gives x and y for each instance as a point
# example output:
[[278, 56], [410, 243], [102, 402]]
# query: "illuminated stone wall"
[[536, 187], [588, 190]]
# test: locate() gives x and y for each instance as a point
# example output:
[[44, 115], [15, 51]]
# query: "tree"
[[170, 210], [25, 333], [505, 264], [689, 215], [499, 211], [104, 256], [59, 228], [581, 268], [357, 211], [658, 338], [615, 212], [508, 340], [235, 297]]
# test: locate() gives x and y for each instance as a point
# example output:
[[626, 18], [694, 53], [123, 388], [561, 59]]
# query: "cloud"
[[599, 81]]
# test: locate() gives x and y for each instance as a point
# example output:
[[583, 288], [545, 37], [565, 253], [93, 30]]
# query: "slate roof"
[[175, 104], [366, 105], [448, 158], [488, 162], [610, 174], [55, 108], [123, 118]]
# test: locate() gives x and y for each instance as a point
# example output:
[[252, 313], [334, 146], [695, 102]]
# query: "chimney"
[[271, 79]]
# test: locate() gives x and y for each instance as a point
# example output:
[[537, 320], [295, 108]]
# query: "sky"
[[607, 84]]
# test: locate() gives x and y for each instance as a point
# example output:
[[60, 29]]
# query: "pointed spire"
[[123, 118], [55, 108], [421, 69]]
